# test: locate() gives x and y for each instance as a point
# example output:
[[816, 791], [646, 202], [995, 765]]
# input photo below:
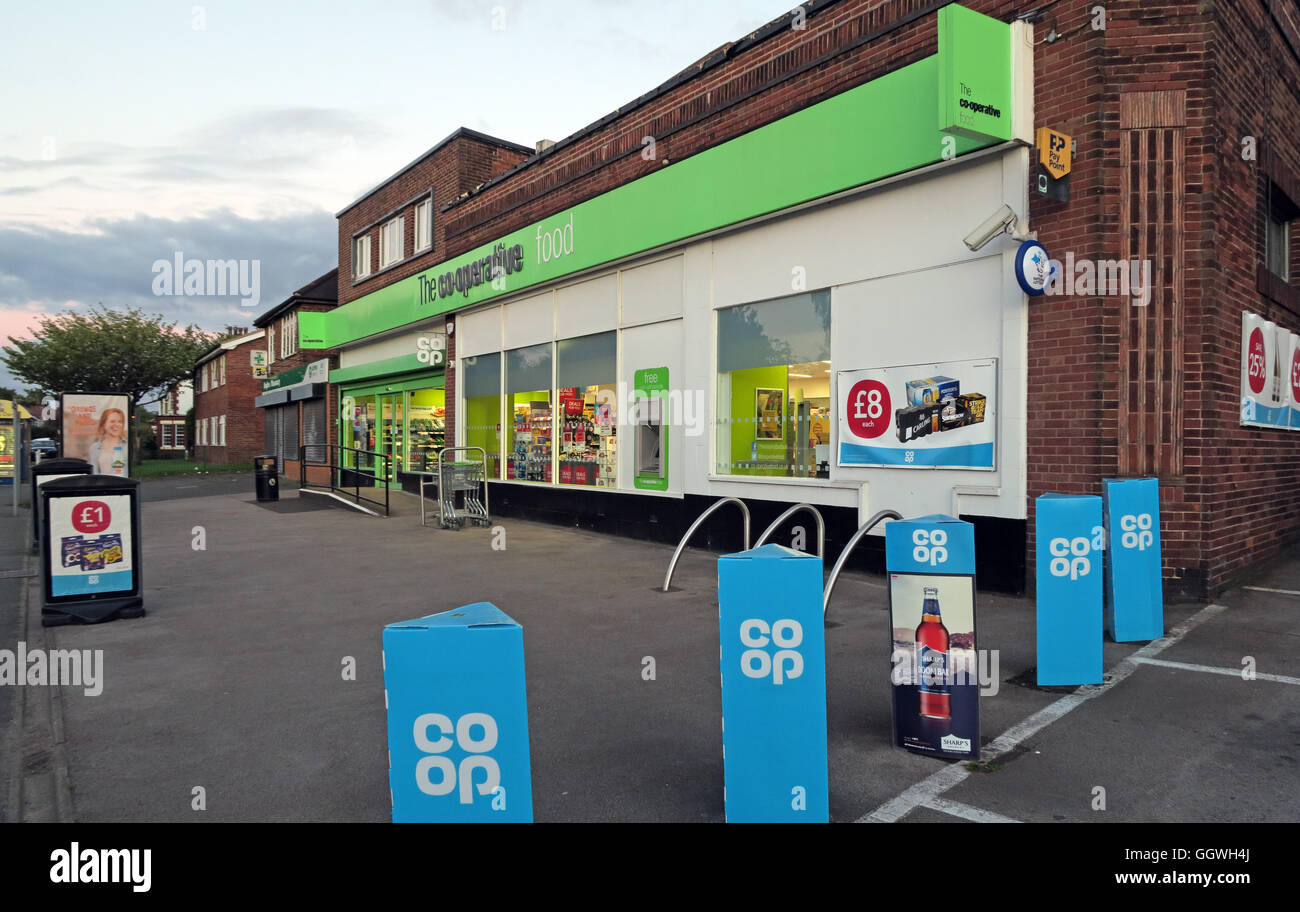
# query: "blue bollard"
[[1069, 548], [458, 718], [1135, 607], [773, 659]]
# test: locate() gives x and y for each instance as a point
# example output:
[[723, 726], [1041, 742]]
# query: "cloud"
[[43, 268]]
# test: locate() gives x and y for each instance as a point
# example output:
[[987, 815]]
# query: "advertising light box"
[[458, 718], [940, 415], [1270, 374], [933, 657], [773, 657], [96, 428]]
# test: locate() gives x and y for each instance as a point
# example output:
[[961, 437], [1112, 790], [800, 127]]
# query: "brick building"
[[169, 423], [294, 395], [780, 226], [228, 428]]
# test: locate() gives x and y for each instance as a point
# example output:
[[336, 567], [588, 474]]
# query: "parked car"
[[45, 446]]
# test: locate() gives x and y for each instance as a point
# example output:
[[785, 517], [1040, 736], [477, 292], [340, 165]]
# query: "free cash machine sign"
[[939, 415]]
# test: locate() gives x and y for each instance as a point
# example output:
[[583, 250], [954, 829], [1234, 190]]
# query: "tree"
[[107, 351]]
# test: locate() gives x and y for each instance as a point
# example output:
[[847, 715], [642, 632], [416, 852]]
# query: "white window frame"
[[423, 225], [221, 430], [165, 434], [361, 256], [202, 425], [392, 238], [178, 435], [223, 371]]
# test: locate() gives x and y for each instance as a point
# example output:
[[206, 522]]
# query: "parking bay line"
[[940, 781], [1214, 669], [966, 811], [1266, 589]]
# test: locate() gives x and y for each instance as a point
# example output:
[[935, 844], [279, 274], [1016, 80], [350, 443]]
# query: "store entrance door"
[[392, 431]]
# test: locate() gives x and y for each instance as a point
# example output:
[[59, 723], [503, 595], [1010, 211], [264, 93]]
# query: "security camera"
[[1001, 222]]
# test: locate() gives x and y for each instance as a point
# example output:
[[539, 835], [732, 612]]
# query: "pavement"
[[232, 685]]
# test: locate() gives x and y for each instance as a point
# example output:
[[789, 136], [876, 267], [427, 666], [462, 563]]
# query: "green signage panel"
[[884, 127], [974, 75], [650, 400]]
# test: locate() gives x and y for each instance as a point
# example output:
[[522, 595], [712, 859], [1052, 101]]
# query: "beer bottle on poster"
[[932, 659]]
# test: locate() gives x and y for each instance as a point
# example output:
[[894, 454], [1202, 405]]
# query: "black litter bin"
[[51, 470], [264, 477]]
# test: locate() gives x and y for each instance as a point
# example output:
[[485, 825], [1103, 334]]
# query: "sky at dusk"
[[235, 130]]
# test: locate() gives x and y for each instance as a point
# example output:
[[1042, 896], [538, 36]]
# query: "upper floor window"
[[222, 369], [424, 225], [390, 242], [361, 256], [1277, 235], [289, 336]]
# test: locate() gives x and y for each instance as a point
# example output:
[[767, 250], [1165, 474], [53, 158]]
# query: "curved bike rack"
[[821, 527], [848, 548], [681, 545]]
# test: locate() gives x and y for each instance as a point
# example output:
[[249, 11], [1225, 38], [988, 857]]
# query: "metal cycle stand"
[[462, 476]]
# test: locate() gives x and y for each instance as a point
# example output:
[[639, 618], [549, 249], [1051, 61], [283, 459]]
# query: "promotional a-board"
[[773, 661], [96, 428], [90, 545], [941, 415], [933, 658]]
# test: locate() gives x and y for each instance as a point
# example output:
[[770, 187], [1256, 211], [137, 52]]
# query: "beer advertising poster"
[[932, 416], [934, 673], [90, 545], [934, 664], [96, 429]]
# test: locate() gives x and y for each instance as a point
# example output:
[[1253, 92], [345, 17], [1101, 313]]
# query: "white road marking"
[[1266, 589], [940, 781], [966, 812], [1214, 669]]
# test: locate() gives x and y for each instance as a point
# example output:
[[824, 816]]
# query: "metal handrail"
[[844, 555], [336, 470], [821, 527], [681, 545]]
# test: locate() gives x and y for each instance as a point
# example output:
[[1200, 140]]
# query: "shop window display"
[[426, 429], [531, 422], [774, 407], [586, 371], [481, 387]]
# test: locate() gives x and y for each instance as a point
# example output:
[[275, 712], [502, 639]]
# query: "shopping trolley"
[[467, 478]]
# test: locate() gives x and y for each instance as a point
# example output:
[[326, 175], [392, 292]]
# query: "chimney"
[[543, 144]]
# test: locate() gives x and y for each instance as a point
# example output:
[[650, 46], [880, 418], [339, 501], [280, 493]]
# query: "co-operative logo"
[[755, 662], [1137, 531], [476, 747], [930, 546]]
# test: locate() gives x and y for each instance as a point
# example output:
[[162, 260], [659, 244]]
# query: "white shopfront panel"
[[649, 347], [530, 320], [478, 332], [587, 307]]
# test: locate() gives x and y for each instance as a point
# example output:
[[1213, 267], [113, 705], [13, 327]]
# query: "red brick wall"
[[460, 165], [1234, 500], [245, 422]]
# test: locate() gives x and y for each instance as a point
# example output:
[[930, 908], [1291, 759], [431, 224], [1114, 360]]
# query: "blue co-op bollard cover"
[[458, 718], [1135, 607], [773, 660], [1069, 549]]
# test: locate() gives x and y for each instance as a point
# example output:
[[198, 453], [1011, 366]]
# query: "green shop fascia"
[[824, 149]]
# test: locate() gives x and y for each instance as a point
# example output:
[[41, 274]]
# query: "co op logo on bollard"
[[1072, 556], [931, 546], [1136, 530], [450, 775], [756, 662]]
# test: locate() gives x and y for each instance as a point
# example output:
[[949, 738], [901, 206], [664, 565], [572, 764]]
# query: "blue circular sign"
[[1033, 268]]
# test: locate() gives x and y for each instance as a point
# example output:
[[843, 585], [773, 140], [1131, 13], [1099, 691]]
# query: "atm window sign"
[[1054, 152]]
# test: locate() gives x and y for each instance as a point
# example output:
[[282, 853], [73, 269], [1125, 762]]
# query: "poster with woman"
[[95, 428]]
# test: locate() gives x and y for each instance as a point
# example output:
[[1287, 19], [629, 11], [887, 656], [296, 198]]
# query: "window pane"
[[528, 402], [481, 385], [587, 372], [774, 408]]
